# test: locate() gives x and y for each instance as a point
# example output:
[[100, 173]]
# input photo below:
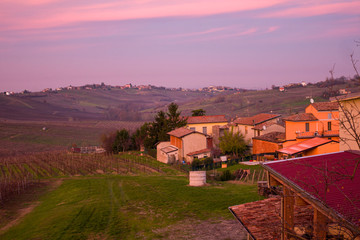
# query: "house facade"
[[205, 124], [254, 126], [349, 121], [319, 120], [189, 142]]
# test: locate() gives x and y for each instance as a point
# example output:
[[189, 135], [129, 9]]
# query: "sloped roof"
[[305, 145], [206, 150], [262, 220], [206, 119], [275, 137], [326, 106], [180, 132], [301, 117], [169, 149], [329, 181], [257, 119], [266, 124]]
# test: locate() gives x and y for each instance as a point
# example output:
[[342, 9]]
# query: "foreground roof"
[[326, 106], [257, 119], [275, 137], [262, 219], [207, 119], [305, 145], [301, 117], [329, 181]]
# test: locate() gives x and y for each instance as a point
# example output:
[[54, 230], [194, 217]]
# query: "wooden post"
[[319, 225], [288, 212]]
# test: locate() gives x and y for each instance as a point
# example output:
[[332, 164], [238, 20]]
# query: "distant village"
[[211, 89]]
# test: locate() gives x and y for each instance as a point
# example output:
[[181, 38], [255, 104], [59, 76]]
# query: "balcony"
[[331, 133]]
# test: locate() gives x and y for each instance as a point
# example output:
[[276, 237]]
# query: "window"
[[192, 128], [246, 130], [329, 126], [204, 130], [307, 127], [329, 115]]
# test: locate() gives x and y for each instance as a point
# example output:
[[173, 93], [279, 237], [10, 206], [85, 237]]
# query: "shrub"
[[226, 175]]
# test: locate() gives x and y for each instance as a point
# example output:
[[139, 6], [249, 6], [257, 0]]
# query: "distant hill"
[[132, 104]]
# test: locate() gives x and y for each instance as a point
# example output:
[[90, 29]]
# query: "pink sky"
[[187, 43]]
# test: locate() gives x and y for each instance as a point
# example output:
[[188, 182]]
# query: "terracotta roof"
[[257, 119], [326, 106], [266, 124], [206, 119], [305, 145], [276, 137], [301, 117], [329, 181], [180, 132], [206, 150], [262, 219]]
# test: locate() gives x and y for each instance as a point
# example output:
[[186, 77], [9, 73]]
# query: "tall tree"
[[198, 112], [163, 123], [122, 141], [173, 117]]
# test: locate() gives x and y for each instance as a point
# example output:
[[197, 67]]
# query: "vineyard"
[[18, 173]]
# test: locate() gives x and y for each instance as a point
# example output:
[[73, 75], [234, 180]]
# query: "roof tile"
[[301, 117], [257, 119], [206, 119]]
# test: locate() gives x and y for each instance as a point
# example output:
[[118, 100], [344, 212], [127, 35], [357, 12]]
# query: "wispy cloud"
[[205, 32], [50, 15], [272, 29], [315, 8]]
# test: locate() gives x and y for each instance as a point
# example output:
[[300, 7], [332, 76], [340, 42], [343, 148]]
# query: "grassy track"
[[126, 207]]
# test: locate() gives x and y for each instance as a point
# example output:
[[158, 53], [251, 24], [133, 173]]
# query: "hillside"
[[141, 105], [94, 104]]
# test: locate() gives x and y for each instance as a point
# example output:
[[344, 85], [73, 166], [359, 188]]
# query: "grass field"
[[127, 207]]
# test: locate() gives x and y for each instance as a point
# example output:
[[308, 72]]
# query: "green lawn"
[[126, 207]]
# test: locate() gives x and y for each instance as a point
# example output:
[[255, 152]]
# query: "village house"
[[185, 145], [349, 121], [256, 125], [318, 198], [319, 120], [205, 124], [265, 147], [314, 132]]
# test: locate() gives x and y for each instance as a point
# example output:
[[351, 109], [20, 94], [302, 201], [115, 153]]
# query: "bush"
[[226, 175], [208, 163], [196, 164]]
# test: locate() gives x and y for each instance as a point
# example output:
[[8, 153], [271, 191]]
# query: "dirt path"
[[19, 214]]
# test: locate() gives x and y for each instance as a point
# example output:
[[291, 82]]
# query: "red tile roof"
[[276, 137], [206, 150], [301, 117], [207, 119], [262, 218], [326, 106], [305, 145], [257, 119], [180, 132], [329, 181]]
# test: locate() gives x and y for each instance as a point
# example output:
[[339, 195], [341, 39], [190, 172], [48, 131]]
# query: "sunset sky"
[[175, 43]]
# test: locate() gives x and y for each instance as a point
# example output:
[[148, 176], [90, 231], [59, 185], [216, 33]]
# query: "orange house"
[[319, 120]]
